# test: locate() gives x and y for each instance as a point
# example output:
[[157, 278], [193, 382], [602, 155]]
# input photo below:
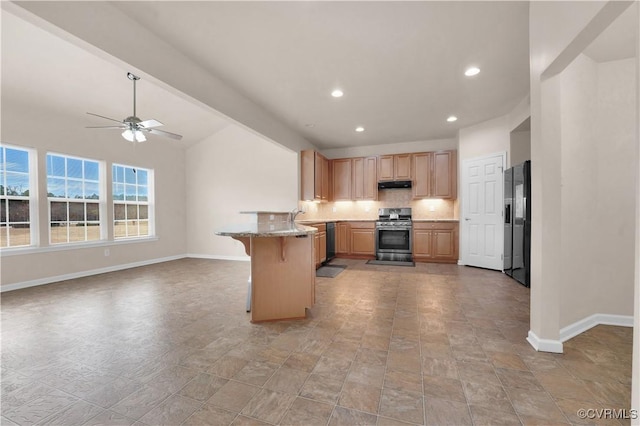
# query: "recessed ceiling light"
[[337, 93], [309, 125], [471, 71], [359, 129], [452, 118]]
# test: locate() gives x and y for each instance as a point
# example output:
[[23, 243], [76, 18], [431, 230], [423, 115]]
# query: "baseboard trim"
[[81, 274], [578, 327], [591, 321], [544, 345], [219, 257]]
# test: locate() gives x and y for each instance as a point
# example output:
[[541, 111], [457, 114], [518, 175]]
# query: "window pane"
[[144, 227], [142, 177], [17, 160], [76, 232], [93, 232], [2, 149], [130, 192], [55, 165], [91, 170], [144, 211], [119, 211], [92, 190], [74, 168], [129, 175], [120, 230], [19, 236], [55, 188], [17, 184], [93, 211], [58, 211], [132, 212], [74, 189], [1, 185], [142, 193], [18, 211], [58, 233], [76, 212], [3, 214], [118, 191], [132, 228], [118, 174]]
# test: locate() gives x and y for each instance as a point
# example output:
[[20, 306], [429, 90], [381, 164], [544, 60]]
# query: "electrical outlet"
[[334, 209], [367, 209], [271, 217], [106, 252], [432, 208]]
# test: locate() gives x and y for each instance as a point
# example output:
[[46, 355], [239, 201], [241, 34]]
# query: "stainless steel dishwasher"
[[331, 240]]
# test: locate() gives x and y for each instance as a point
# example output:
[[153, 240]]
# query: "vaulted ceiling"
[[400, 65]]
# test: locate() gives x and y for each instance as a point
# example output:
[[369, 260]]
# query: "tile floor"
[[170, 344]]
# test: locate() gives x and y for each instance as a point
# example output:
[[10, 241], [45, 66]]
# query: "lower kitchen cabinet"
[[435, 242], [320, 243], [355, 239]]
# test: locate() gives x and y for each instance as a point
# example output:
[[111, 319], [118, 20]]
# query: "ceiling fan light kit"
[[134, 128]]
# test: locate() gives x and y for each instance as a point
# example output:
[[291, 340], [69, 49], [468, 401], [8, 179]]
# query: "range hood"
[[394, 184]]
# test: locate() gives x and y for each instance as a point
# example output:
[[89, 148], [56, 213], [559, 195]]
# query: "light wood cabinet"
[[435, 242], [342, 175], [320, 243], [315, 176], [364, 179], [342, 238], [435, 174], [394, 167], [355, 239]]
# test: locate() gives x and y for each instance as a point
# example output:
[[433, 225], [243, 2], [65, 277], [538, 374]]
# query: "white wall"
[[26, 125], [519, 147], [486, 138], [584, 119], [235, 170]]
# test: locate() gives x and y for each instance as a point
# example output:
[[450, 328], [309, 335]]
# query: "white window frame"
[[32, 198], [102, 197], [150, 203]]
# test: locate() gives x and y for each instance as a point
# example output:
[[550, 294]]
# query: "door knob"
[[466, 218]]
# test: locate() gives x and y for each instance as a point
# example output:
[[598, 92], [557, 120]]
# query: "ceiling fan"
[[134, 128]]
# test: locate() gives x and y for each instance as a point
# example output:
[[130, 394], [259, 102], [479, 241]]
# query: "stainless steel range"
[[393, 234]]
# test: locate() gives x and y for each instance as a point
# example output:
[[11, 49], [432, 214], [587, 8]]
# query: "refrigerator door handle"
[[507, 213]]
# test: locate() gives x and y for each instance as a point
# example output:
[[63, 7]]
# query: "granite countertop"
[[278, 229], [435, 220], [369, 220]]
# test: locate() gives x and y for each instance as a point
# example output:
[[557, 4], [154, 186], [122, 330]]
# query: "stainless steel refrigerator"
[[517, 222]]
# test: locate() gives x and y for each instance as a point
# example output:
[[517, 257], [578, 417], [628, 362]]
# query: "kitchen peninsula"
[[282, 281]]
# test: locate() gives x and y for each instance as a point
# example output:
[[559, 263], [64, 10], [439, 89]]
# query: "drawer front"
[[362, 225], [435, 225]]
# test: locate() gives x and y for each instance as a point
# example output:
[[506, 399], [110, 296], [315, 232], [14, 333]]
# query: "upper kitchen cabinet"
[[394, 167], [364, 179], [315, 176], [435, 174], [342, 175]]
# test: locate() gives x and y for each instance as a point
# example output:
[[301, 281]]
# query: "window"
[[15, 193], [132, 197], [73, 188]]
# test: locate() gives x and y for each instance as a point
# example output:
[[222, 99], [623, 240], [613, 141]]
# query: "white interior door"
[[481, 224]]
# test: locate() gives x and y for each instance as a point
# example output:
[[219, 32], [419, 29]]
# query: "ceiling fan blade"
[[162, 133], [105, 127], [147, 124], [102, 116]]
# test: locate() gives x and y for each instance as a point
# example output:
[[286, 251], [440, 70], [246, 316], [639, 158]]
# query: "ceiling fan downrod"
[[133, 78]]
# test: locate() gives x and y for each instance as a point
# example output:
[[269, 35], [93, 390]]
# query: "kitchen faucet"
[[293, 213]]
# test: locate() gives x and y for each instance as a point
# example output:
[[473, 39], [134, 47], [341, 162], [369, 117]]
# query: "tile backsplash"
[[368, 210]]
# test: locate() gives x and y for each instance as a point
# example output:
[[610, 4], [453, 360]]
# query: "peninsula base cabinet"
[[435, 242]]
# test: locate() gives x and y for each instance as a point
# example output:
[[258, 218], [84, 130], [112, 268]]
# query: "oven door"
[[393, 239]]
